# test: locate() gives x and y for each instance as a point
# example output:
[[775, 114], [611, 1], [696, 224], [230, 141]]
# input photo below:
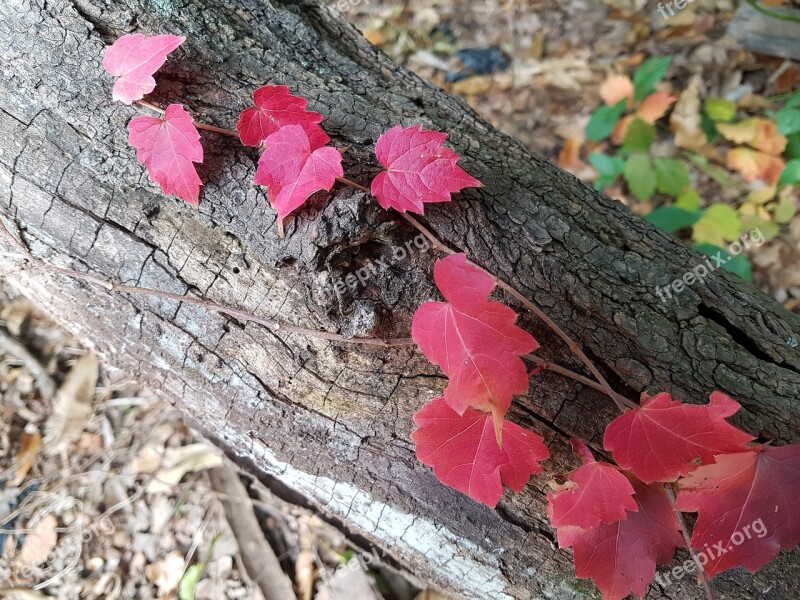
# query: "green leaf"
[[785, 210], [639, 137], [648, 75], [788, 121], [708, 127], [688, 200], [793, 147], [190, 580], [671, 218], [606, 165], [790, 173], [672, 176], [603, 120], [767, 228], [640, 176], [720, 223], [718, 174], [720, 110], [603, 181], [738, 264], [793, 100]]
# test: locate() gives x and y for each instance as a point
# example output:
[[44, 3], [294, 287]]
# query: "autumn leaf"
[[747, 507], [464, 454], [595, 493], [761, 134], [664, 439], [134, 58], [419, 169], [621, 557], [473, 340], [719, 224], [753, 165], [615, 88], [654, 107], [167, 147], [274, 108], [292, 168]]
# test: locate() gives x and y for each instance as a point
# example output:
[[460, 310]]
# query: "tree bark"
[[331, 422]]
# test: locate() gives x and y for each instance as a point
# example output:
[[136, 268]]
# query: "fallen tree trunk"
[[329, 421]]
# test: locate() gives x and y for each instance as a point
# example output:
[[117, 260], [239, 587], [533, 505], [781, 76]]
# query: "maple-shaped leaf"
[[665, 438], [274, 108], [419, 169], [621, 557], [464, 454], [168, 146], [474, 340], [134, 58], [747, 507], [595, 493], [292, 168]]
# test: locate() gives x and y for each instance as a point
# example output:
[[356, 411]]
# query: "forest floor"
[[106, 493]]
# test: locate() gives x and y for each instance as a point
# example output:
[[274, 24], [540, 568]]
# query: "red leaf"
[[419, 169], [473, 339], [274, 108], [621, 557], [665, 438], [293, 169], [596, 493], [747, 507], [168, 146], [134, 58], [464, 453]]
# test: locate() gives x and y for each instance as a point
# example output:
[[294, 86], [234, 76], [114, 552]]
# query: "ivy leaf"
[[649, 73], [292, 168], [639, 137], [672, 176], [595, 493], [602, 121], [664, 439], [739, 265], [688, 200], [719, 223], [788, 121], [419, 169], [473, 340], [274, 108], [672, 218], [640, 176], [790, 173], [621, 557], [747, 507], [134, 58], [464, 454], [168, 146]]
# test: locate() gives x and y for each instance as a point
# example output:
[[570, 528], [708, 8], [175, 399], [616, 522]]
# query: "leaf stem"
[[198, 124], [621, 401], [687, 537], [273, 325]]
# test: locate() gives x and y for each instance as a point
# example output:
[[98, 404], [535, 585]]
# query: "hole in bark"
[[235, 270]]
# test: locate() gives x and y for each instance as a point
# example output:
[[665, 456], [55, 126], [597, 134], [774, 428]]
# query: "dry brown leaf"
[[28, 450], [304, 573], [72, 405], [761, 134], [753, 165], [654, 107], [39, 543], [167, 572], [179, 461], [685, 121]]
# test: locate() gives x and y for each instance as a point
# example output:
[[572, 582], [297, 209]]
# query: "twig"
[[112, 286], [198, 124], [258, 557], [621, 401], [701, 573]]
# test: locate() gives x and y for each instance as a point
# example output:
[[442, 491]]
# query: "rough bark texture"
[[328, 421]]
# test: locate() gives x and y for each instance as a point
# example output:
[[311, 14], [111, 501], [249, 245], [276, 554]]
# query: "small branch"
[[687, 537], [273, 325], [198, 124], [621, 401]]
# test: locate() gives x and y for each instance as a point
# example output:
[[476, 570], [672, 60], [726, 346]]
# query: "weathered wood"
[[326, 421]]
